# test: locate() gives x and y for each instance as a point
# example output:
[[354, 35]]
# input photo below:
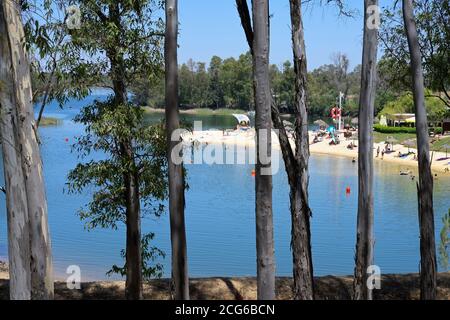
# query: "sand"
[[247, 139]]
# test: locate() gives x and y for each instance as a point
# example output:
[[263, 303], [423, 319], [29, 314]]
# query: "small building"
[[409, 120], [401, 120]]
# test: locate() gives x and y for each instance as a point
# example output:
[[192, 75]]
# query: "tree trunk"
[[300, 211], [264, 218], [176, 177], [133, 285], [16, 198], [133, 253], [425, 186], [133, 256], [364, 232], [41, 257]]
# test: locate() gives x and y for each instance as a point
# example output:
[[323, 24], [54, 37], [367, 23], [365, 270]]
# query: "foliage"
[[227, 83], [149, 254], [445, 241], [106, 125], [54, 56], [436, 108], [433, 24], [386, 129], [118, 43]]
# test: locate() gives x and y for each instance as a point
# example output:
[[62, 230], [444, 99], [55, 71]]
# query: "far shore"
[[247, 138], [50, 121], [198, 111]]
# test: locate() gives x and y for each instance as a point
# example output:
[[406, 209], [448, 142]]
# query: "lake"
[[220, 214]]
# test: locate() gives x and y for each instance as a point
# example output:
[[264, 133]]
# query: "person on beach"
[[378, 151], [382, 154]]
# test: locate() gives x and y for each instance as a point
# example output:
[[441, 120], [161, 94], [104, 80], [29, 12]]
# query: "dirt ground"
[[393, 287]]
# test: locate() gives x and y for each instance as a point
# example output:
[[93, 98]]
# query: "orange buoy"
[[253, 173]]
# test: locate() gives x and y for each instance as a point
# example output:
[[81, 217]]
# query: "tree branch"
[[244, 14], [286, 148]]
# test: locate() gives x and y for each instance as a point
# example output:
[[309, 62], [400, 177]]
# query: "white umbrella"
[[242, 118]]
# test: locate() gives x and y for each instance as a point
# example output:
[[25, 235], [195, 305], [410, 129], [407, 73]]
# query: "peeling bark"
[[27, 143], [16, 198], [180, 276], [263, 186], [364, 232], [428, 266]]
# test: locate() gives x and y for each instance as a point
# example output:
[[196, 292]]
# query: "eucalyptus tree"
[[176, 176], [296, 163], [16, 195], [259, 42], [120, 40], [23, 166], [364, 233], [428, 265]]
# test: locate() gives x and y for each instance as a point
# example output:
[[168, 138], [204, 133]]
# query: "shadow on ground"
[[393, 287]]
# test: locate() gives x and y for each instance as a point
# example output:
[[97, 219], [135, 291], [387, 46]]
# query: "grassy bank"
[[199, 111], [402, 137], [441, 145]]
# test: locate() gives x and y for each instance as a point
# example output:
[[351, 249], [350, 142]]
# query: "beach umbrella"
[[392, 141], [446, 146], [321, 123], [411, 143], [242, 118]]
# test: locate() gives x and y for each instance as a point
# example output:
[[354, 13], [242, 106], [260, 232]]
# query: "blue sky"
[[212, 27]]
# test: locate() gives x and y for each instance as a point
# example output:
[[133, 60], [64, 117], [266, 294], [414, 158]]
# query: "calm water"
[[220, 215]]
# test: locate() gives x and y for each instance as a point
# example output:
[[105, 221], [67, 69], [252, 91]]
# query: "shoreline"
[[197, 111], [247, 139], [393, 287]]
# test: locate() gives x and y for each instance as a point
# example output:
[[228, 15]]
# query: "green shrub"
[[386, 129], [437, 130]]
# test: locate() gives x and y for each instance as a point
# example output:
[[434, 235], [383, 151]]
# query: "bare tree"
[[425, 185], [259, 43], [364, 233], [297, 164], [41, 257], [176, 176]]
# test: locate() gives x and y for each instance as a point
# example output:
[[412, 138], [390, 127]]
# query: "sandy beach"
[[247, 139]]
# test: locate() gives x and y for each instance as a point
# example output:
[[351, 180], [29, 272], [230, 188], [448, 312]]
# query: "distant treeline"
[[227, 83]]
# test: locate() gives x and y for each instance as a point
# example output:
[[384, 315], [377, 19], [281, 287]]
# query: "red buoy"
[[348, 190], [67, 139]]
